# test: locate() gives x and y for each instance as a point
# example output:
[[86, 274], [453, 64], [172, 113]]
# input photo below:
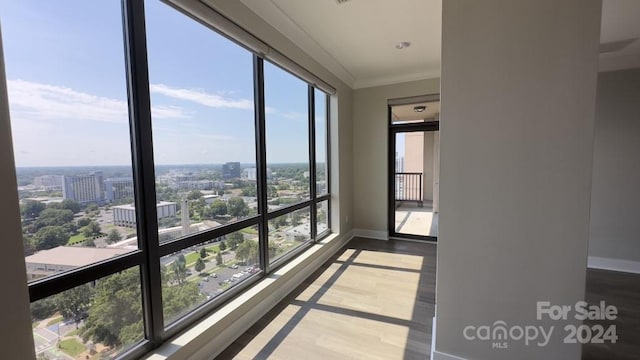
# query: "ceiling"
[[355, 39], [405, 113]]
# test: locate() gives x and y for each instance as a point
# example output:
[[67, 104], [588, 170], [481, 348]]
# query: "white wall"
[[370, 149], [16, 339], [428, 168], [615, 195], [518, 98]]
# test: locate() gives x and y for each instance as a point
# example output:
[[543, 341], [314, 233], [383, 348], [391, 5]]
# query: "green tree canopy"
[[234, 239], [49, 237], [114, 236], [218, 258], [199, 265], [92, 229], [237, 207], [71, 205], [31, 209], [194, 195], [222, 246], [248, 251], [218, 207], [203, 253]]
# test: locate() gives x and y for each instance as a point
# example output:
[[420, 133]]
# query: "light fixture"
[[419, 108], [403, 45]]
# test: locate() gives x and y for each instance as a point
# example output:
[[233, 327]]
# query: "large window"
[[157, 182]]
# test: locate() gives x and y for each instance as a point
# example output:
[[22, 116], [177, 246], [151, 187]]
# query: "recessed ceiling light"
[[419, 108], [403, 45]]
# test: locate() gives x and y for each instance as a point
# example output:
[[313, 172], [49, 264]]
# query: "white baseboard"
[[614, 264], [371, 234], [438, 355], [433, 336]]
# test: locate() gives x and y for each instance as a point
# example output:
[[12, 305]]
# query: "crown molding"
[[277, 18], [396, 79]]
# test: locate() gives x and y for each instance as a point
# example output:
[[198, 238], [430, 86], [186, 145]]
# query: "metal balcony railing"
[[408, 187]]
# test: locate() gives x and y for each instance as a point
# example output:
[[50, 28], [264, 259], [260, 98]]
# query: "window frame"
[[150, 250]]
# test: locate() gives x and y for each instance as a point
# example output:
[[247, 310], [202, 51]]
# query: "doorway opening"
[[414, 167]]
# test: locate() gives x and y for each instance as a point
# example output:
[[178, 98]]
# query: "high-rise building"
[[118, 188], [84, 189], [231, 170], [250, 174]]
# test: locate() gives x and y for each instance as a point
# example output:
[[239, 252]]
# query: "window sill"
[[211, 335]]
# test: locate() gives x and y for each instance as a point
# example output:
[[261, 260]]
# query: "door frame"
[[393, 130]]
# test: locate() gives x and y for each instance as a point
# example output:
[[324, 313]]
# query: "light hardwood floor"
[[373, 300]]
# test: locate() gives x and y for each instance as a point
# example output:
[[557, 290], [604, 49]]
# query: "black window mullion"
[[143, 166], [261, 161], [312, 163], [327, 150]]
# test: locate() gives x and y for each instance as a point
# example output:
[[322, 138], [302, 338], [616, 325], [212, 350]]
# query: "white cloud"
[[201, 97], [36, 101]]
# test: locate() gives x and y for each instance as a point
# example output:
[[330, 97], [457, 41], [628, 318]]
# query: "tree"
[[248, 251], [53, 217], [115, 315], [71, 205], [114, 236], [92, 229], [218, 207], [203, 253], [83, 221], [296, 219], [73, 303], [222, 246], [237, 207], [218, 258], [49, 237], [199, 265], [179, 269], [31, 209], [234, 239], [194, 195]]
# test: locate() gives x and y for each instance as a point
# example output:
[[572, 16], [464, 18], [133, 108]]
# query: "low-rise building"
[[125, 215], [63, 258]]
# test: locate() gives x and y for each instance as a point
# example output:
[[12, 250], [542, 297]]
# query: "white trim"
[[276, 17], [438, 355], [433, 336], [629, 266], [371, 234], [395, 79]]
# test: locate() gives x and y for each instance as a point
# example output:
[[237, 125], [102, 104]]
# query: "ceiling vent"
[[342, 1]]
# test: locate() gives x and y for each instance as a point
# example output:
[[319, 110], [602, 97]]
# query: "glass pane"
[[416, 183], [70, 127], [203, 127], [288, 232], [97, 320], [414, 113], [195, 275], [323, 217], [322, 165], [287, 132]]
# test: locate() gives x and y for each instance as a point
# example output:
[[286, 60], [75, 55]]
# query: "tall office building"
[[231, 170], [118, 188], [84, 189], [48, 182]]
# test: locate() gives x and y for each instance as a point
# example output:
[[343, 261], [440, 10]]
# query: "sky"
[[68, 99]]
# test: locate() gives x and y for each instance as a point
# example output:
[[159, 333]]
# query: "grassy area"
[[71, 347], [191, 258], [76, 239], [74, 332], [54, 321], [250, 231]]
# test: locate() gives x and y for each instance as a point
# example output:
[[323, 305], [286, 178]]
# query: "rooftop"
[[73, 255]]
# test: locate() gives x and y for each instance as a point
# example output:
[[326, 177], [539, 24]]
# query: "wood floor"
[[373, 300], [623, 291]]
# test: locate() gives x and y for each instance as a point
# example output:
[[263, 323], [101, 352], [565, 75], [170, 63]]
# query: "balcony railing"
[[408, 187]]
